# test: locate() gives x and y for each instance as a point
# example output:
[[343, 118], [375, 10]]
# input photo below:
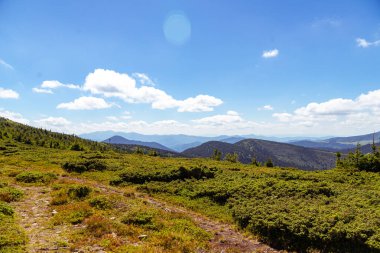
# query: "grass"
[[328, 211]]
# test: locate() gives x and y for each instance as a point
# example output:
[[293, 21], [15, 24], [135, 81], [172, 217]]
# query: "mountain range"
[[281, 154], [181, 142], [339, 143]]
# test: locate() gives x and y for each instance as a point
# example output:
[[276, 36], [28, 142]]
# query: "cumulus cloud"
[[6, 65], [13, 116], [7, 93], [266, 108], [85, 103], [340, 110], [45, 91], [364, 43], [113, 84], [270, 53]]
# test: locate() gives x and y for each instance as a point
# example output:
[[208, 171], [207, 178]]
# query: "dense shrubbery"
[[35, 177], [366, 162], [83, 165], [331, 211], [181, 173], [44, 138]]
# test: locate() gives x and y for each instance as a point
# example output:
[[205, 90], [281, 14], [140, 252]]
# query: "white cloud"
[[6, 65], [13, 116], [221, 119], [53, 84], [201, 103], [7, 93], [44, 91], [46, 87], [53, 121], [364, 43], [337, 112], [270, 53], [112, 84], [85, 103], [144, 79], [265, 108]]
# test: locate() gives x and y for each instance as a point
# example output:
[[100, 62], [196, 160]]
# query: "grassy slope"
[[329, 210]]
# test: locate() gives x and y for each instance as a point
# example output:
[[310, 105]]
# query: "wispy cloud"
[[270, 53], [7, 93], [5, 64], [48, 86], [364, 43], [266, 108], [144, 79], [40, 90], [326, 22], [85, 103]]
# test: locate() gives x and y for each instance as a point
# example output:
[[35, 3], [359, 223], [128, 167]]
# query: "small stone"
[[141, 237], [112, 218], [54, 212]]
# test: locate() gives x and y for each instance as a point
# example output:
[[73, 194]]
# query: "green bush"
[[81, 166], [35, 177], [182, 173], [9, 194], [139, 218], [101, 203], [79, 192], [6, 209]]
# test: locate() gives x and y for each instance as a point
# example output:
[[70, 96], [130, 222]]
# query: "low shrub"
[[6, 209], [101, 203], [83, 165], [182, 173], [9, 194], [98, 225], [79, 192], [35, 177]]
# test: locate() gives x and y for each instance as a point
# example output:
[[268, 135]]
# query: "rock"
[[54, 212], [141, 237]]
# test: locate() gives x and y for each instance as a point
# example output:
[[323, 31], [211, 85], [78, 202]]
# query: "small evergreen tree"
[[233, 158], [255, 162], [338, 159], [217, 155], [269, 163]]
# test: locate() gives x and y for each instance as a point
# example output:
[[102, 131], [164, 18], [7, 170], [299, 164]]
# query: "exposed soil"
[[34, 214], [225, 237]]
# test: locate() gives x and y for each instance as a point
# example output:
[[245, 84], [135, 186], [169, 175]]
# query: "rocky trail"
[[225, 237], [34, 214]]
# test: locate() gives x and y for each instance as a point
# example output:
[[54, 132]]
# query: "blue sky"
[[195, 67]]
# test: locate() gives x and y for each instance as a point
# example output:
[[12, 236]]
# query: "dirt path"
[[33, 214], [225, 237]]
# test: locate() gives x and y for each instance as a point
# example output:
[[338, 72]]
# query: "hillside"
[[99, 200], [121, 140], [339, 143], [12, 131], [282, 154]]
